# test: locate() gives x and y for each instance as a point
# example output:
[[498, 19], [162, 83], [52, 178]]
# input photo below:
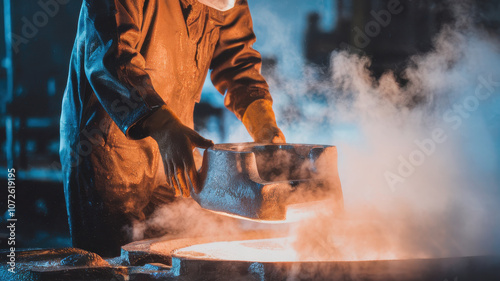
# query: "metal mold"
[[41, 265], [462, 268], [191, 265], [258, 181]]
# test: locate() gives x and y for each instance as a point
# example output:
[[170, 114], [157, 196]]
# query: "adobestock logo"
[[382, 18], [455, 118], [31, 27]]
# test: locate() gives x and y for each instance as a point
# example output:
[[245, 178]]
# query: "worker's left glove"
[[260, 122], [176, 142]]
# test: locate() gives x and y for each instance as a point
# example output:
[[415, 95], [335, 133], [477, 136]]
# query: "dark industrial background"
[[34, 64]]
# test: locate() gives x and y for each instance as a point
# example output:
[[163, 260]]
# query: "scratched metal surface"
[[258, 181]]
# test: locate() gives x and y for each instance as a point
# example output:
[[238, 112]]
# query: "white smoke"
[[420, 179]]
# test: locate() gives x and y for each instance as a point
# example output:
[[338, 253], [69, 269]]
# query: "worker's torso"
[[177, 41]]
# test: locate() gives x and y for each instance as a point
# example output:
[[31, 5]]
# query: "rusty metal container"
[[259, 181]]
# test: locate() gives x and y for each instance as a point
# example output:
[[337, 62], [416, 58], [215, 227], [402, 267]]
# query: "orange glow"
[[315, 232], [263, 250], [294, 212], [273, 250], [304, 211], [249, 219]]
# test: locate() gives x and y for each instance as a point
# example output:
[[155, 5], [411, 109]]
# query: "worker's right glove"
[[260, 122], [176, 142]]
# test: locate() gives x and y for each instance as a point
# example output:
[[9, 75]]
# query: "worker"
[[136, 71]]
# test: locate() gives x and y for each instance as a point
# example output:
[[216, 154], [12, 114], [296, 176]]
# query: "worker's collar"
[[221, 5]]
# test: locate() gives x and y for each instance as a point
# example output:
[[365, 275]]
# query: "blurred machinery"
[[34, 75], [34, 61], [389, 31]]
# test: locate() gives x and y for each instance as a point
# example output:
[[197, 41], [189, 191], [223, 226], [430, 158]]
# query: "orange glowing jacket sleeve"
[[235, 64], [113, 65]]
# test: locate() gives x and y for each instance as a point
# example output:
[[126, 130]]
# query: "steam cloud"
[[420, 179]]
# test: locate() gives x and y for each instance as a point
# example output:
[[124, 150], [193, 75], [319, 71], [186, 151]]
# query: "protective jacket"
[[130, 57]]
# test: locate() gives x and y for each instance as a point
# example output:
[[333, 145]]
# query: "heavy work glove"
[[260, 122], [176, 143]]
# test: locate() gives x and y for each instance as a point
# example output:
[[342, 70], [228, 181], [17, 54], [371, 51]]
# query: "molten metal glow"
[[313, 232], [312, 236], [304, 211], [294, 212], [273, 250], [263, 250], [249, 219]]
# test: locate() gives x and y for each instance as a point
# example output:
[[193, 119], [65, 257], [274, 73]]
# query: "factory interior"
[[390, 170]]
